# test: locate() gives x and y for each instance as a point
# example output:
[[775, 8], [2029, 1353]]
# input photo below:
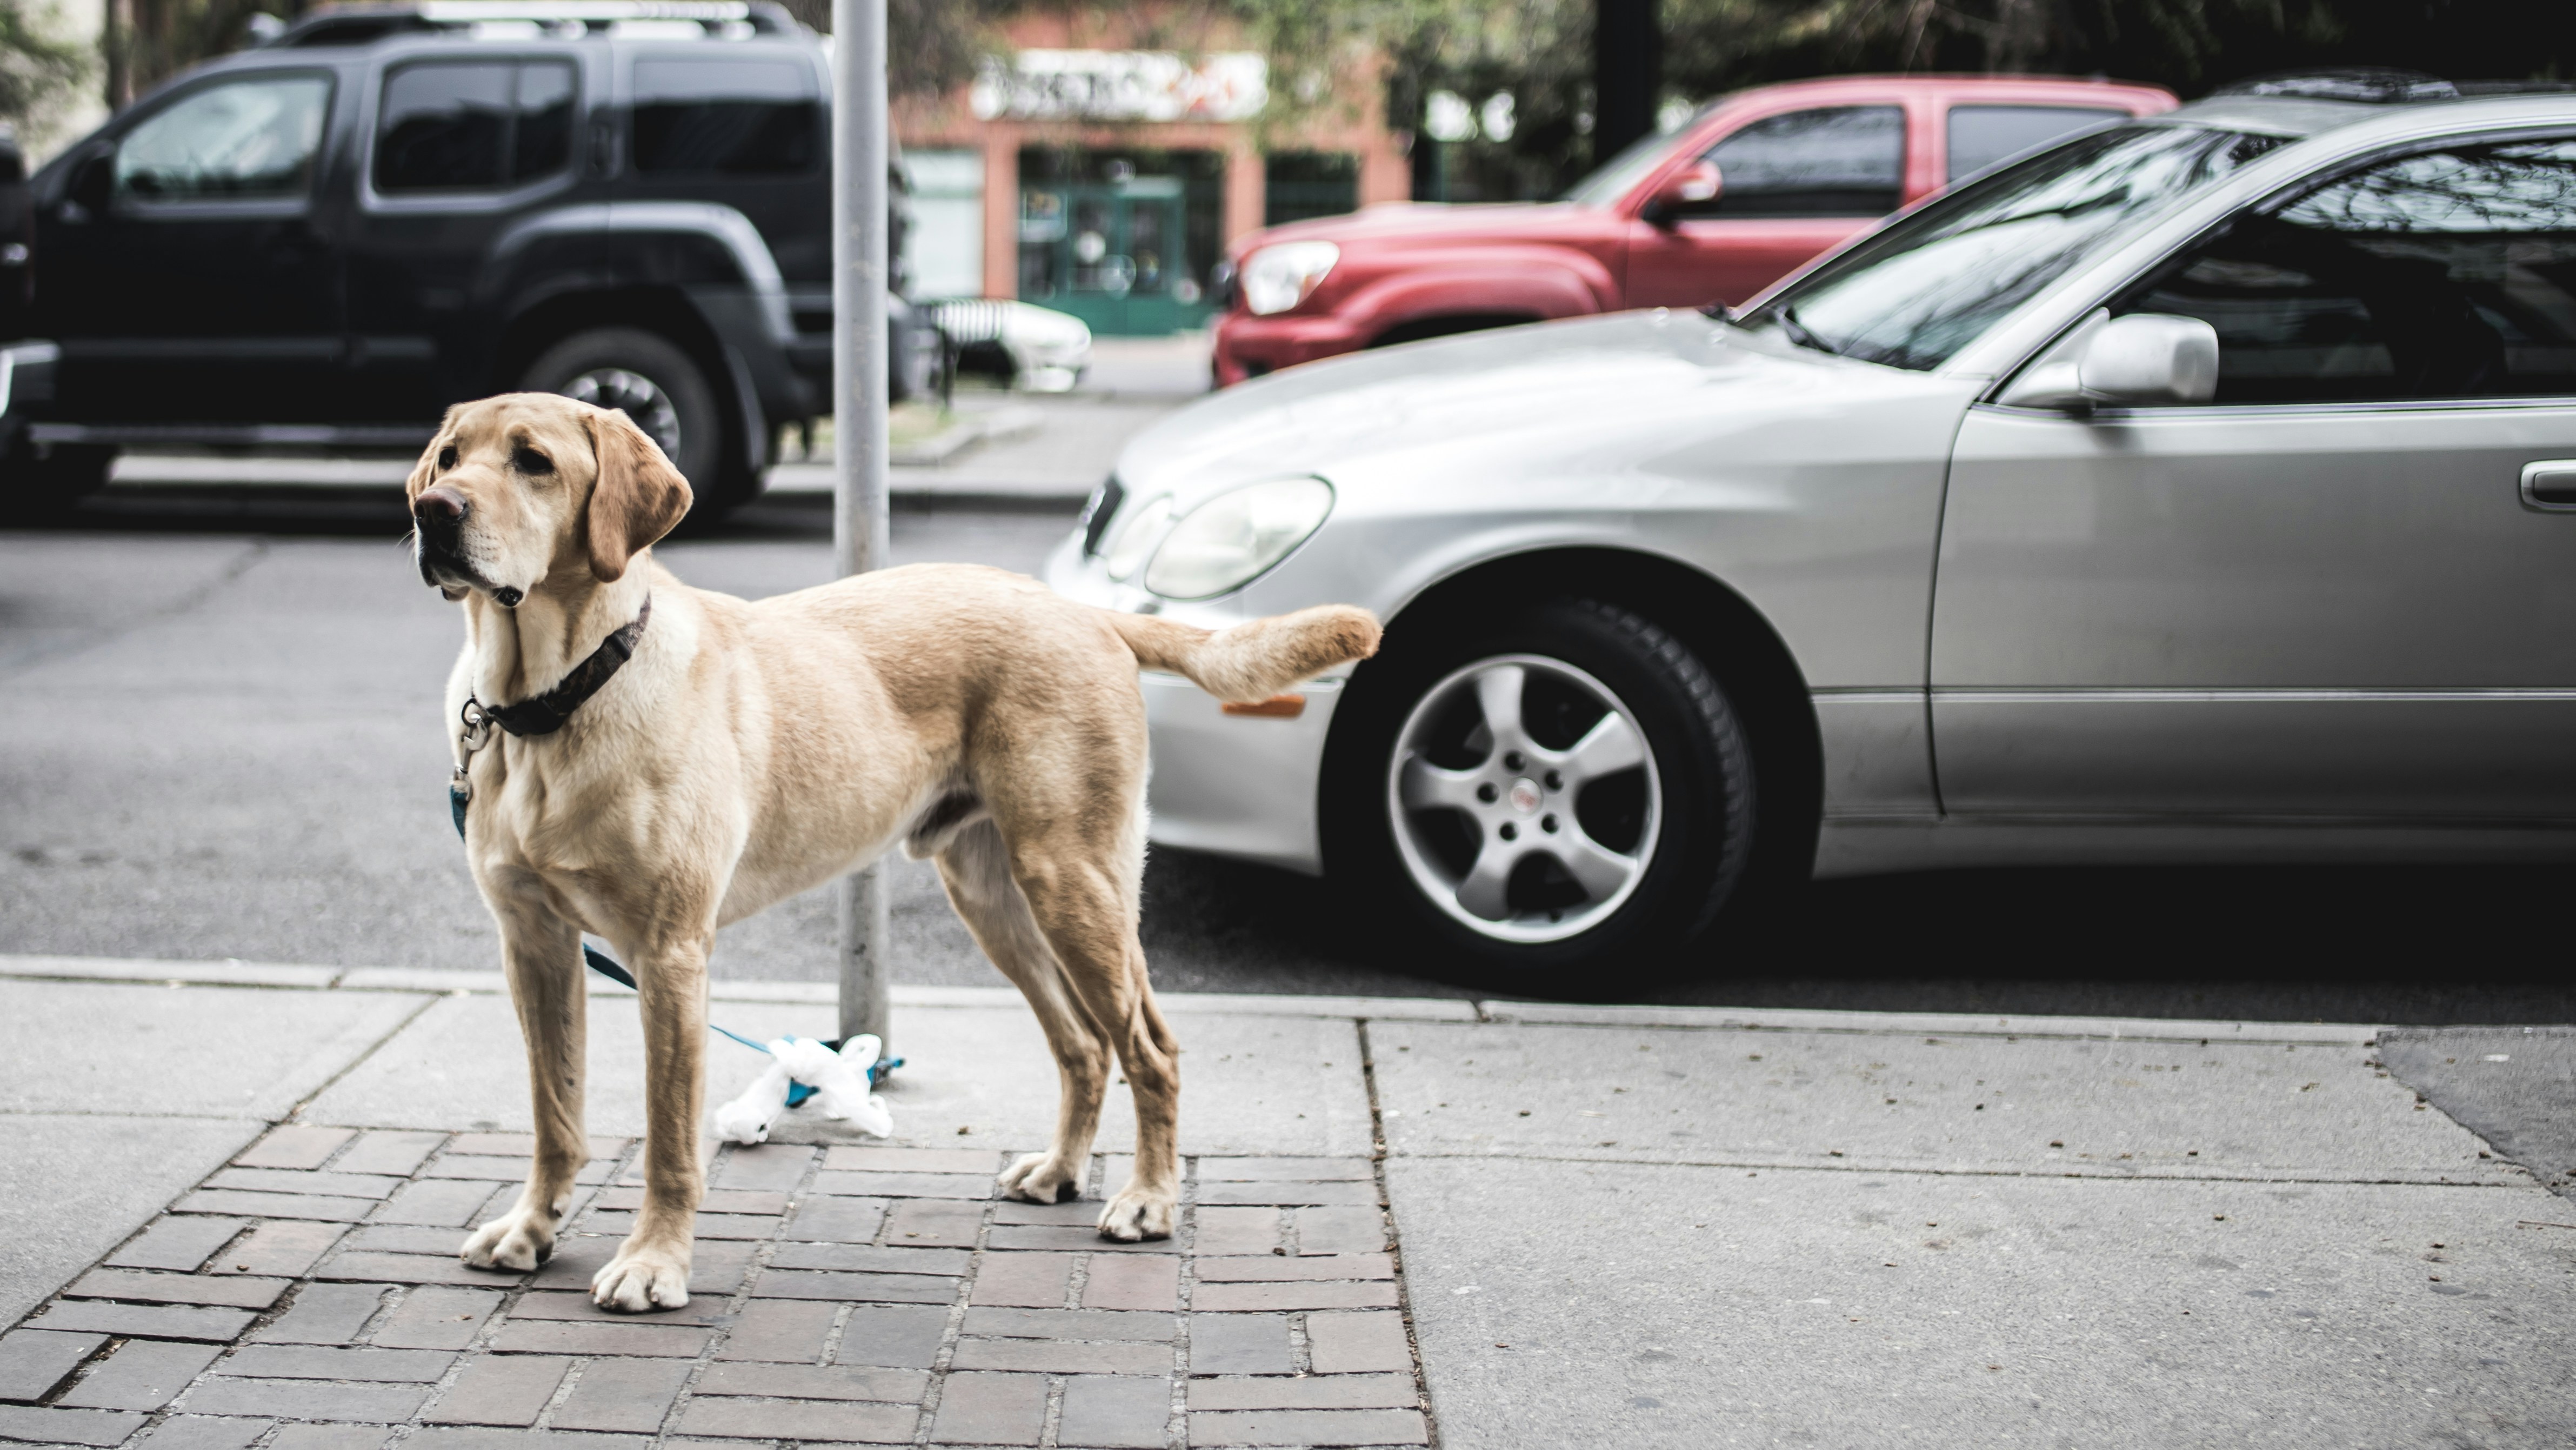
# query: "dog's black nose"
[[440, 512]]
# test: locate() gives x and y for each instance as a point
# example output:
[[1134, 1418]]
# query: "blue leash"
[[797, 1092], [607, 966]]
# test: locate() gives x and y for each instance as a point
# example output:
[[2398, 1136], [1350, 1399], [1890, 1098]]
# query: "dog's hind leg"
[[542, 952], [976, 868], [1085, 902]]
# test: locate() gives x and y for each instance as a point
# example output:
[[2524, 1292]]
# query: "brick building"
[[1100, 170]]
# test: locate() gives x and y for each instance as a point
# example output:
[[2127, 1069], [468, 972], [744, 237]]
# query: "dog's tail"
[[1258, 658]]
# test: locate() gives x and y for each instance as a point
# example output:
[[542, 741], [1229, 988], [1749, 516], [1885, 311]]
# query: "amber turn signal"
[[1277, 707]]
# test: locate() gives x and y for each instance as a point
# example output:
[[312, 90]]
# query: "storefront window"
[[944, 249], [1303, 184], [1121, 239]]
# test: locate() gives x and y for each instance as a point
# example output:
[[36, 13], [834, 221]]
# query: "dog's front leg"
[[542, 953], [651, 1270]]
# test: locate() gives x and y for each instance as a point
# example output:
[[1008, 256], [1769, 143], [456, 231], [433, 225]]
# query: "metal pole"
[[859, 396]]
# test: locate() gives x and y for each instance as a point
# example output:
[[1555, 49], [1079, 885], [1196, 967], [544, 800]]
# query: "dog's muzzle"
[[438, 524]]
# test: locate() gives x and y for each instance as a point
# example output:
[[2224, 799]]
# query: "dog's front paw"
[[515, 1242], [1038, 1178], [642, 1277], [1138, 1213]]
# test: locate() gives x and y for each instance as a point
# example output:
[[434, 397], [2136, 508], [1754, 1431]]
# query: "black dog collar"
[[545, 714]]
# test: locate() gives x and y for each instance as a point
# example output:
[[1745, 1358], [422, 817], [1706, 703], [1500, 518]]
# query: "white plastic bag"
[[839, 1080]]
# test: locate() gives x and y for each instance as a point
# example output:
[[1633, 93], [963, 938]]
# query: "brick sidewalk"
[[309, 1297]]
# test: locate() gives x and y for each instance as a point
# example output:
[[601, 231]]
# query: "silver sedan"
[[2200, 489]]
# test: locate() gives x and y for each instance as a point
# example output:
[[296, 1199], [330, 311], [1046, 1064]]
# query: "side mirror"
[[2143, 359], [1691, 186]]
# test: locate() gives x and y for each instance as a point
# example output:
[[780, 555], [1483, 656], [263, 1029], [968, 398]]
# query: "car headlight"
[[1228, 541], [1137, 537], [1278, 278]]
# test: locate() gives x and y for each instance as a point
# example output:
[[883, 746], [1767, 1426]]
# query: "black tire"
[[52, 479], [668, 395], [1688, 811]]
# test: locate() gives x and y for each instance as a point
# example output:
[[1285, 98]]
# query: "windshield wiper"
[[1786, 314]]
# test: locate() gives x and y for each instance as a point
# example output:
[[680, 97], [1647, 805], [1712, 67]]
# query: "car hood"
[[1587, 396]]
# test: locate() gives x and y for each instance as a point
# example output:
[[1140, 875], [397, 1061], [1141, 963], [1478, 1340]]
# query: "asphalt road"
[[219, 737]]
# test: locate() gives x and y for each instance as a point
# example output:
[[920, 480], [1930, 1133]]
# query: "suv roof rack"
[[362, 23], [2370, 85]]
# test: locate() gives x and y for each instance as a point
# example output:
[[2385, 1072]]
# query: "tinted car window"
[[475, 127], [1927, 285], [542, 144], [1839, 161], [2449, 274], [248, 138], [736, 117], [1980, 136]]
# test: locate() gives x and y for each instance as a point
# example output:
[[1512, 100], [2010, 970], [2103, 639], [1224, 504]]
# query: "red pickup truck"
[[1753, 186]]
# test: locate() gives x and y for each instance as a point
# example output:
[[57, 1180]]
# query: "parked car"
[[2201, 489], [384, 209], [1754, 185], [1013, 343]]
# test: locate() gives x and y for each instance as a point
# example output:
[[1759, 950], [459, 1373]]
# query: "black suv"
[[325, 240]]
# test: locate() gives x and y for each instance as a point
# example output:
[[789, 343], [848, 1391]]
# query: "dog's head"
[[527, 486]]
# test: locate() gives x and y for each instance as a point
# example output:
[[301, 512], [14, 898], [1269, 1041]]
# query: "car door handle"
[[2550, 485]]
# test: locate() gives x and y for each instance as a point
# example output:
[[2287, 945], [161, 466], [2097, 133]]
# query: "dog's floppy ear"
[[422, 471], [639, 496]]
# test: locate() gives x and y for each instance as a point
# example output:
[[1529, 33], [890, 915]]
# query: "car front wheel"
[[1563, 786]]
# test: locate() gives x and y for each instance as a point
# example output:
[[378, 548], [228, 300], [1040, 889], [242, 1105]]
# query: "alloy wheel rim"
[[1493, 812], [638, 396]]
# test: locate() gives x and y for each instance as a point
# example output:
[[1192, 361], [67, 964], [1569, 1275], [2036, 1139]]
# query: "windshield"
[[1611, 179], [1932, 282]]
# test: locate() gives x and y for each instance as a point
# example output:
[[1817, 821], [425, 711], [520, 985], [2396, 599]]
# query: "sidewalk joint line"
[[1394, 1238], [296, 1109]]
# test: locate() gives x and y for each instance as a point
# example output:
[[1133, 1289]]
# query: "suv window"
[[481, 126], [1980, 136], [242, 139], [2444, 274], [729, 117], [1841, 161]]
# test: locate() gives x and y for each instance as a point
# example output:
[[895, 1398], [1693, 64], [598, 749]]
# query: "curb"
[[1415, 1009]]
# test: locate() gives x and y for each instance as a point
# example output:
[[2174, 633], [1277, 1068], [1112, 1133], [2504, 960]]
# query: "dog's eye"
[[529, 460], [446, 458]]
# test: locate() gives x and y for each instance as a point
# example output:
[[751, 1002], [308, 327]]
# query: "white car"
[[1037, 348], [2201, 489]]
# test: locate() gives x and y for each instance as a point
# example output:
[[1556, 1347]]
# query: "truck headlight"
[[1279, 277], [1228, 541]]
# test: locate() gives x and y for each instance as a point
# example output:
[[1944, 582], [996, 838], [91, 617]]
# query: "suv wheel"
[[53, 478], [663, 390], [1563, 786]]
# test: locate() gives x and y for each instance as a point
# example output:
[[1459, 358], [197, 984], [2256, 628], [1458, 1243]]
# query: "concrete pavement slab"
[[2513, 1086], [217, 1051], [1665, 1305], [74, 1185], [1251, 1084], [2048, 1105]]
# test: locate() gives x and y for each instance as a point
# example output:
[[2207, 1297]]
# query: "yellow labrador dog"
[[670, 760]]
